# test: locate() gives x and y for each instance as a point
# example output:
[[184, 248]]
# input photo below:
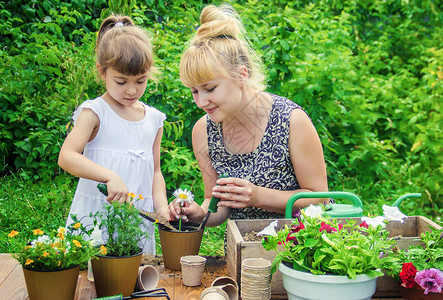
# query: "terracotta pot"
[[176, 244], [417, 293], [51, 285], [115, 275]]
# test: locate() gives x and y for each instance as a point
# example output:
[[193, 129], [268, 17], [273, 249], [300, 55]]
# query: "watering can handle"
[[346, 195], [403, 197]]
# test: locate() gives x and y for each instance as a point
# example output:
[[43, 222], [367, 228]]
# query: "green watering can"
[[336, 210]]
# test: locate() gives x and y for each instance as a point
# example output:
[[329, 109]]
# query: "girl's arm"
[[158, 184], [307, 158], [74, 162]]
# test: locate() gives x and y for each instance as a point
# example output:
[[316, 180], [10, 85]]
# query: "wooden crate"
[[239, 249]]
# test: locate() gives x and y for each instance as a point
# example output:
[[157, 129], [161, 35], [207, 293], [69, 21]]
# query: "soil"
[[252, 237]]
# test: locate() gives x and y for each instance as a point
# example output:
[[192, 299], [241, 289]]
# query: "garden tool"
[[152, 217], [339, 210], [212, 208], [160, 292]]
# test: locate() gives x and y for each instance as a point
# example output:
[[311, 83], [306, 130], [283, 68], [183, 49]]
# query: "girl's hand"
[[189, 211], [117, 191], [164, 212], [235, 192]]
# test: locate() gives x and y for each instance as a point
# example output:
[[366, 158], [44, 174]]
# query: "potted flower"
[[115, 269], [184, 241], [319, 256], [419, 269], [51, 262]]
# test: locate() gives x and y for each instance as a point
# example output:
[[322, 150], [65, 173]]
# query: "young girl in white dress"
[[116, 138]]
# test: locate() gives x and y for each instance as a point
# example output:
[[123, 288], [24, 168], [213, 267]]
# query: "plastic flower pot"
[[302, 285], [51, 285], [176, 244], [115, 274]]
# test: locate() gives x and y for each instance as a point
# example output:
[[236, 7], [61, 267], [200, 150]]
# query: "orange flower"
[[45, 254], [77, 243], [103, 250], [13, 233], [28, 261], [77, 225], [61, 230], [37, 232], [140, 197], [131, 195]]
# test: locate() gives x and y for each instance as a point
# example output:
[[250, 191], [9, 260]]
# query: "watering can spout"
[[403, 197]]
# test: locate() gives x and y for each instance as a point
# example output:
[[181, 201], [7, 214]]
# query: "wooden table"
[[13, 287]]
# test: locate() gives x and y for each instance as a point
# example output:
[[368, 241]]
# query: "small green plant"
[[322, 245], [124, 228], [53, 251]]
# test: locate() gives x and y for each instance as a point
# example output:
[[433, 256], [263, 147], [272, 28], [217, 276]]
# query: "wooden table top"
[[13, 287]]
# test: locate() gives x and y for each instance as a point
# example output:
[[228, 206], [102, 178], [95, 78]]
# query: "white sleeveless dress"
[[126, 148]]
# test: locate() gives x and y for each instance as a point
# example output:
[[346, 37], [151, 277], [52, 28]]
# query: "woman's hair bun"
[[219, 21]]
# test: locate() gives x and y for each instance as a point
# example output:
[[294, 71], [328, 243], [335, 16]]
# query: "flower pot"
[[51, 285], [417, 293], [115, 275], [176, 244], [303, 285], [192, 267]]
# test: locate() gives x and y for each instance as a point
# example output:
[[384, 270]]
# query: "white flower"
[[392, 213], [374, 222], [270, 229], [314, 211], [183, 196]]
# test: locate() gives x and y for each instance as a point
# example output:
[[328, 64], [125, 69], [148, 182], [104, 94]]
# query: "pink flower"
[[364, 224], [328, 228], [407, 275], [290, 238], [298, 228], [430, 280]]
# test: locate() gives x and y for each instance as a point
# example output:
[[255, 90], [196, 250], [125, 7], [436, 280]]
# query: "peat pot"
[[51, 285], [115, 275], [302, 286], [176, 244]]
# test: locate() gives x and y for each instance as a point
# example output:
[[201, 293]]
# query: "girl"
[[266, 143], [116, 138]]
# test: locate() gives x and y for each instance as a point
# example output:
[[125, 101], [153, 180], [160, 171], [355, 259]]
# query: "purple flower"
[[430, 280]]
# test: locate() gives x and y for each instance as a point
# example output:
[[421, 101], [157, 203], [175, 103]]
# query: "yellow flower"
[[38, 232], [27, 247], [28, 261], [61, 230], [103, 250], [45, 254], [131, 195], [13, 233], [140, 197], [77, 225], [77, 243]]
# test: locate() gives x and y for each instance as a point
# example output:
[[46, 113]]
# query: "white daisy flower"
[[183, 196]]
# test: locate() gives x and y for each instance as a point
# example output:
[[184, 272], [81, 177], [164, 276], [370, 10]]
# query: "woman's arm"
[[74, 162], [158, 184], [306, 154]]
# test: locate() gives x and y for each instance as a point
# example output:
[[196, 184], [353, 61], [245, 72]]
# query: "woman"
[[266, 143]]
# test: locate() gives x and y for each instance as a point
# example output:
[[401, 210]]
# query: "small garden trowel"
[[153, 217]]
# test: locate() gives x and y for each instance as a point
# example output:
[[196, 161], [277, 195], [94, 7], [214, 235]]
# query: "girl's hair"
[[220, 48], [124, 47]]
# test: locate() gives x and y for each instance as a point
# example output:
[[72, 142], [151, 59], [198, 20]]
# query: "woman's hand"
[[190, 211], [235, 192]]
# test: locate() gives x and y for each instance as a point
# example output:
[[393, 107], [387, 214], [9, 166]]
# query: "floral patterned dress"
[[269, 165]]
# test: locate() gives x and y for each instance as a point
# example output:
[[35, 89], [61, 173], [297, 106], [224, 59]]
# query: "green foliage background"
[[369, 73]]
